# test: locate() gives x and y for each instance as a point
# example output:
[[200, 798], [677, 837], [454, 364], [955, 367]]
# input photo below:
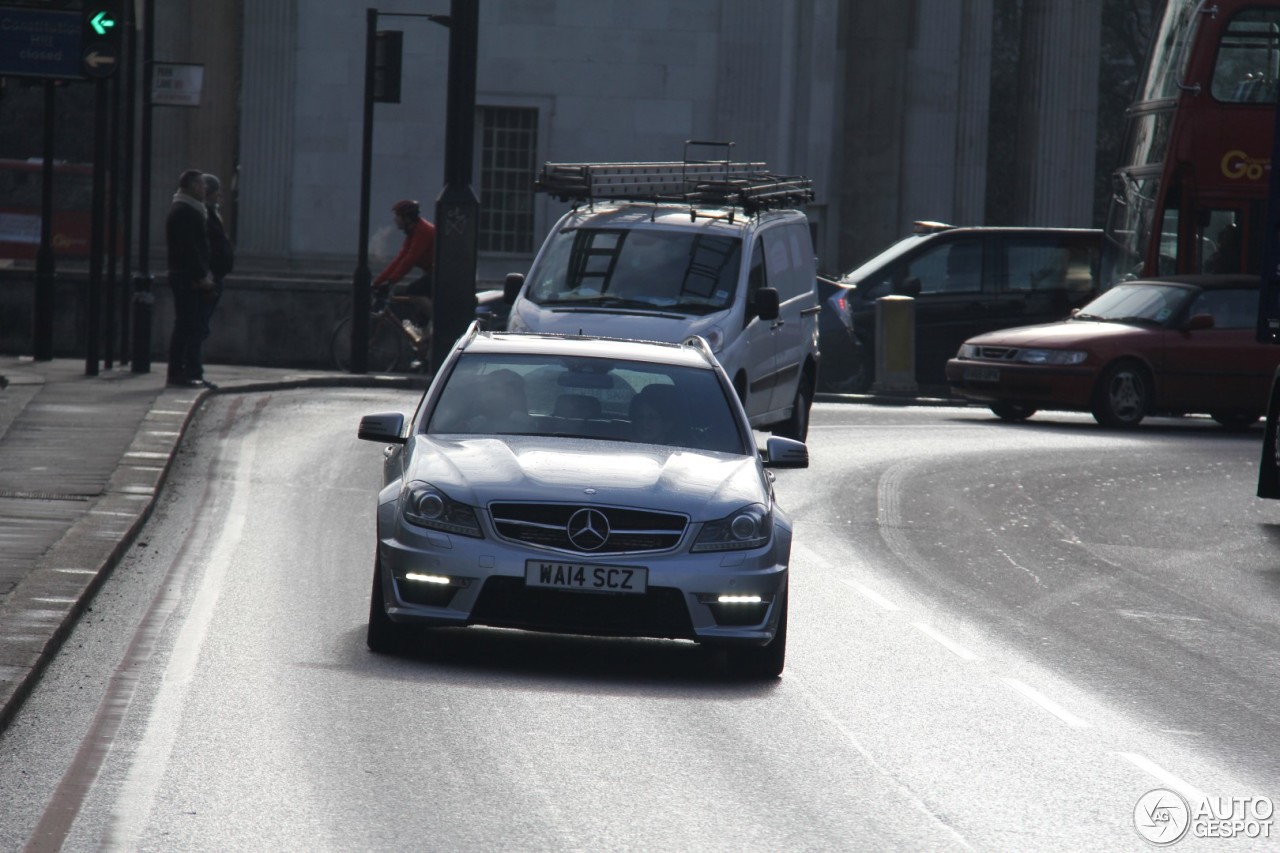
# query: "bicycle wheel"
[[386, 341]]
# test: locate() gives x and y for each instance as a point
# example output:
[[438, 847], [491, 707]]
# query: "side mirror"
[[511, 286], [782, 452], [766, 303], [1200, 321], [910, 287], [387, 428]]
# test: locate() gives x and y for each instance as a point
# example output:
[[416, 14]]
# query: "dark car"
[[966, 281], [1176, 345], [844, 363]]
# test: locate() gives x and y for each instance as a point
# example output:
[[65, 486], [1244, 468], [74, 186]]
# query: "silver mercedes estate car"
[[583, 485]]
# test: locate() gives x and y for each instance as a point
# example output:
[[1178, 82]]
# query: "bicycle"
[[389, 334]]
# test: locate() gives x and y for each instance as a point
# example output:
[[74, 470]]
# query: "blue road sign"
[[39, 43]]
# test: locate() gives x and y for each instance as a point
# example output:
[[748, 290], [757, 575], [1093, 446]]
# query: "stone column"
[[1058, 116], [267, 121]]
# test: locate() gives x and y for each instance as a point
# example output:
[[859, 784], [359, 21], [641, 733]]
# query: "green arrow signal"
[[101, 23]]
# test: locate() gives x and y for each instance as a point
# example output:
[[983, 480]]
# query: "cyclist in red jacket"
[[418, 250]]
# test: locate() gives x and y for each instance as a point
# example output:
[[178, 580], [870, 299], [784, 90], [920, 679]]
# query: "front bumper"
[[1039, 385], [486, 586]]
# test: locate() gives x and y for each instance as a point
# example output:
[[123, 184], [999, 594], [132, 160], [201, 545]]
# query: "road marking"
[[903, 789], [947, 643], [1195, 797], [870, 594], [1048, 704], [138, 793]]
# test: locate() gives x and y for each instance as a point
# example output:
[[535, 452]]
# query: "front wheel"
[[1012, 412], [758, 663], [1122, 396], [385, 344], [797, 426], [1235, 423], [384, 636]]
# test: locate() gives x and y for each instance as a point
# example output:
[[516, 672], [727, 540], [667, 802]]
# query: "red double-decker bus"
[[1191, 194], [20, 198]]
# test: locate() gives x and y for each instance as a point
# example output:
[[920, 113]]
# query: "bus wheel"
[[1122, 396]]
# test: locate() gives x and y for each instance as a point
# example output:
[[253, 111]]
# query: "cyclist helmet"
[[407, 207]]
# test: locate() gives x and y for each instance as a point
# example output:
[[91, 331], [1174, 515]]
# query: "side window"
[[1231, 309], [756, 278], [779, 261], [1219, 242], [952, 267], [1048, 264]]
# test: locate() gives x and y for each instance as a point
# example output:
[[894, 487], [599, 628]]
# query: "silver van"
[[667, 251]]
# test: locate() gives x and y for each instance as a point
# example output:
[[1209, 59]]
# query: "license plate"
[[583, 577], [982, 374]]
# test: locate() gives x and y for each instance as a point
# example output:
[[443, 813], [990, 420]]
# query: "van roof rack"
[[750, 186]]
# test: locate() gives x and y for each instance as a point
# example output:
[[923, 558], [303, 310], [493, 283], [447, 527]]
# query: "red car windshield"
[[1141, 303]]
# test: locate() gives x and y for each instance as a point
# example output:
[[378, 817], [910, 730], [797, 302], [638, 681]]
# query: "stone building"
[[884, 103]]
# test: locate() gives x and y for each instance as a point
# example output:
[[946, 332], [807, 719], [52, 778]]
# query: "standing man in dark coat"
[[221, 253], [189, 277]]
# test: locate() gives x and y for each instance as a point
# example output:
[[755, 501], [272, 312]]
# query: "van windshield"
[[649, 268]]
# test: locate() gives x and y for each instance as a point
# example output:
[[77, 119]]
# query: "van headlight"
[[715, 338], [749, 527], [423, 505], [1051, 356]]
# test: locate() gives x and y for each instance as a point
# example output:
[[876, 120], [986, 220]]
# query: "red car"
[[1173, 345]]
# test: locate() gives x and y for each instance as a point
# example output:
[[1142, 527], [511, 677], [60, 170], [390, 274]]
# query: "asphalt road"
[[1002, 636]]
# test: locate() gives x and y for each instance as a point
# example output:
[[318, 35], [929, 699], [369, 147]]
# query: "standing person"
[[221, 252], [418, 250], [188, 241]]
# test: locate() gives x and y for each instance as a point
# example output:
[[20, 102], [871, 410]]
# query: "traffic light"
[[101, 36], [387, 48]]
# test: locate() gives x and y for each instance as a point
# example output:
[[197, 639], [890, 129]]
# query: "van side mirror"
[[766, 303], [511, 287], [910, 287]]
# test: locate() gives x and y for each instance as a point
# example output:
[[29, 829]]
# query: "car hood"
[[1059, 335], [636, 324], [477, 471]]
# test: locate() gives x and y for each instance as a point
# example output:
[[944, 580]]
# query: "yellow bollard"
[[895, 346]]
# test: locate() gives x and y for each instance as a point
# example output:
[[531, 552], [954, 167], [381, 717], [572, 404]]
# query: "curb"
[[41, 612]]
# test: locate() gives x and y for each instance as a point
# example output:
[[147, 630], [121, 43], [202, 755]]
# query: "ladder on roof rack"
[[696, 182]]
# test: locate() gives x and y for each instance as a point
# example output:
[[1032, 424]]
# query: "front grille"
[[507, 603], [546, 525], [997, 353]]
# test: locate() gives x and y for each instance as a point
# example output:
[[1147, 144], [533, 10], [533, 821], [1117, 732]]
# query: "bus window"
[[1219, 242], [1248, 63]]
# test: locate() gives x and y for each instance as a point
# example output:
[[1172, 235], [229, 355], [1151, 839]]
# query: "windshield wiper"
[[1135, 321]]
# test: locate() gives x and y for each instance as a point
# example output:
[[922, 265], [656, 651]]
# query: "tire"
[[384, 636], [386, 344], [760, 663], [1122, 396], [1235, 423], [1012, 412], [797, 426]]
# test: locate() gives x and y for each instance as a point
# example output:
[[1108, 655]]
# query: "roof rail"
[[750, 186]]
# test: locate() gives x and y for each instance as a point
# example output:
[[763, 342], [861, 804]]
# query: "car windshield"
[[597, 398], [640, 268], [1139, 303]]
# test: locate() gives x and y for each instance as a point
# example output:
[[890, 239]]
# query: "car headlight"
[[967, 351], [714, 337], [749, 527], [1051, 356], [424, 505]]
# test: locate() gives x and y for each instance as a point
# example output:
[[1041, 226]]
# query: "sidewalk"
[[82, 462]]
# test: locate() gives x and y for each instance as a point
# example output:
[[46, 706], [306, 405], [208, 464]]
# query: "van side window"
[[756, 276], [952, 267], [1057, 264], [784, 258]]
